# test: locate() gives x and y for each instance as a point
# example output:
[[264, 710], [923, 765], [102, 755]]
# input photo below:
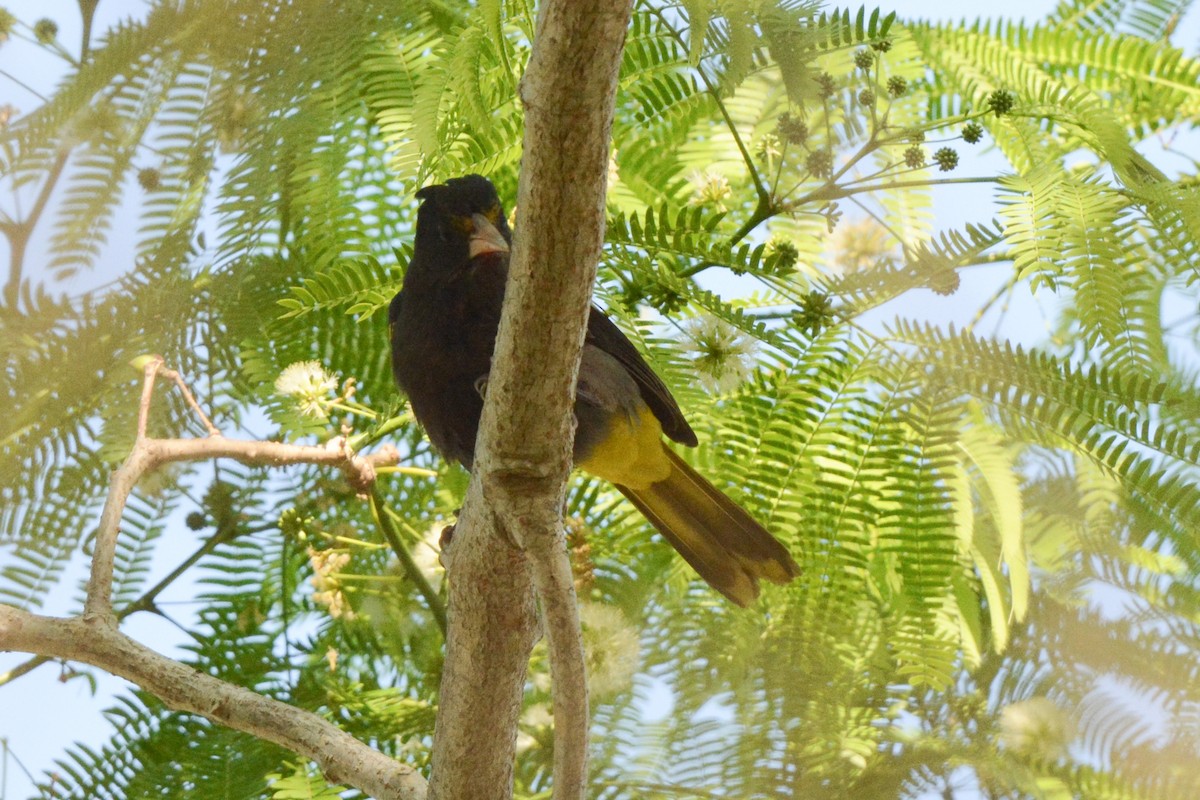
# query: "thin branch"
[[53, 47], [826, 194], [384, 519], [19, 235], [93, 637], [1004, 289], [149, 373], [24, 668], [555, 583], [144, 603], [767, 208], [764, 195], [87, 12], [761, 190], [667, 788], [190, 399], [25, 86], [148, 454], [147, 600], [883, 223], [762, 212], [867, 147], [341, 757], [8, 753], [361, 440], [98, 605]]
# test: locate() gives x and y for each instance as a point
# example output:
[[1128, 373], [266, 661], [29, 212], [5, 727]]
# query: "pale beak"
[[485, 238]]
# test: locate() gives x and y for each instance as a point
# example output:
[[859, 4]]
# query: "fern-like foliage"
[[998, 541]]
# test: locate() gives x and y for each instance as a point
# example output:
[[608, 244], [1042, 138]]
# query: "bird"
[[442, 325]]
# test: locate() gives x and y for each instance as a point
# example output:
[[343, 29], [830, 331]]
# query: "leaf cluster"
[[959, 504]]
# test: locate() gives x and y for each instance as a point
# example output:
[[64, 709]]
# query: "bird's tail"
[[715, 535]]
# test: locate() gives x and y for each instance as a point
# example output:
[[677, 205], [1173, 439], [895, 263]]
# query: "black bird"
[[443, 325]]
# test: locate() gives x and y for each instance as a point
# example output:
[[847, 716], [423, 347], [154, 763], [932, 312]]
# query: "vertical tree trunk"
[[510, 532]]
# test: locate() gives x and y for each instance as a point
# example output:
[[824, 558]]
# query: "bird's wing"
[[602, 333]]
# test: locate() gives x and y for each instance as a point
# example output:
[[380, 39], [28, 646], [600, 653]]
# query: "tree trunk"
[[510, 537]]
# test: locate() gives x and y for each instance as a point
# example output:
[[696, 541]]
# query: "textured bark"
[[93, 637], [341, 757], [509, 541], [510, 537]]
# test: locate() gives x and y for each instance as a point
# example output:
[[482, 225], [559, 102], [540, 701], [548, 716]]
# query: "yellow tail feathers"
[[715, 535]]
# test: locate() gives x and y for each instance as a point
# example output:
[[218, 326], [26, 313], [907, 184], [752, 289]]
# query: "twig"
[[666, 788], [98, 605], [148, 454], [24, 668], [764, 195], [149, 372], [8, 753], [143, 603], [360, 440], [762, 212], [340, 756], [828, 193], [555, 583], [1004, 289], [19, 235], [383, 518], [190, 398], [93, 637], [147, 601], [25, 86]]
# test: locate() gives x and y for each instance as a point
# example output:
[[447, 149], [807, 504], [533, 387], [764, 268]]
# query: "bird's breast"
[[442, 341]]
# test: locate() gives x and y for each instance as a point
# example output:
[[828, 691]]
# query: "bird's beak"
[[485, 238]]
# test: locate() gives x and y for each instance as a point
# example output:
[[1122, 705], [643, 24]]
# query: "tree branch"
[[20, 233], [510, 536], [387, 526], [93, 637], [143, 603], [341, 757], [149, 454]]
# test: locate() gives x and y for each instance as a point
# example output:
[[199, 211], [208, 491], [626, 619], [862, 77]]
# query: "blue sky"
[[40, 715]]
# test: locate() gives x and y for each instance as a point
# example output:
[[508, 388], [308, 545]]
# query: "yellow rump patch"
[[632, 454]]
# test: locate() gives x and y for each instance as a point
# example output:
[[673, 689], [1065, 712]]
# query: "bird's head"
[[461, 219]]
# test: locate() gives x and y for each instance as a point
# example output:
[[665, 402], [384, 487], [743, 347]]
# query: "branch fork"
[[150, 453], [94, 638]]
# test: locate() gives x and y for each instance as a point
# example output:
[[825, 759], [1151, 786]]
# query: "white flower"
[[710, 188], [325, 565], [861, 244], [724, 355], [309, 384], [611, 647], [769, 148]]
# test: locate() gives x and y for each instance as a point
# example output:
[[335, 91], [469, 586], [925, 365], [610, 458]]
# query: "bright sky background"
[[40, 716]]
